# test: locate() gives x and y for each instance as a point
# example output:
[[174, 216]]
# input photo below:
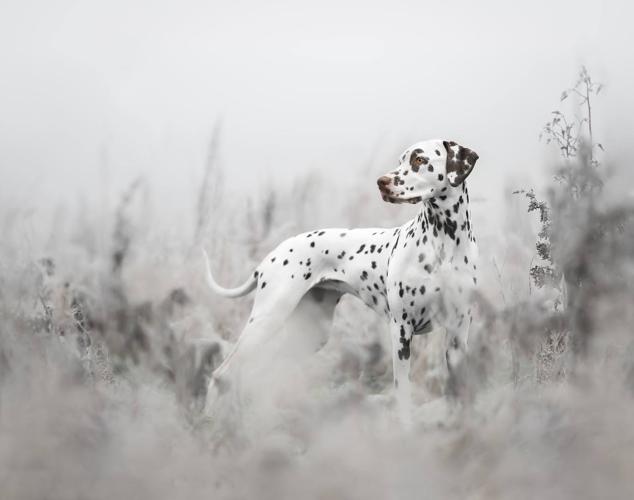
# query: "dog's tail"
[[239, 291]]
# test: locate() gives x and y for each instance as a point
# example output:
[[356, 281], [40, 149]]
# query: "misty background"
[[133, 132], [96, 94]]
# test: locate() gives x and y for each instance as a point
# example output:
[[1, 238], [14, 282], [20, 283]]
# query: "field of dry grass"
[[107, 335]]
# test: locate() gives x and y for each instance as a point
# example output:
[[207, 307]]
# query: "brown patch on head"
[[416, 159], [460, 162]]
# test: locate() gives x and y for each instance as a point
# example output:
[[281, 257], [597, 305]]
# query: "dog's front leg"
[[456, 350], [401, 339]]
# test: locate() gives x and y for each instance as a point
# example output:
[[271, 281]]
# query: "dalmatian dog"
[[417, 276]]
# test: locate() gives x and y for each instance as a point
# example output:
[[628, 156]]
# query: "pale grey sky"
[[328, 84]]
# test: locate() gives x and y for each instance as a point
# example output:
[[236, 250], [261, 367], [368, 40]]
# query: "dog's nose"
[[383, 181]]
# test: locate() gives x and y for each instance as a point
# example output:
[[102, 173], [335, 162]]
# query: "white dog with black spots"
[[417, 276]]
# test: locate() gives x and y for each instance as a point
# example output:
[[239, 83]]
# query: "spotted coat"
[[417, 276]]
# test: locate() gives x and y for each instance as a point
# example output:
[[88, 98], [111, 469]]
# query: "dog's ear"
[[460, 162]]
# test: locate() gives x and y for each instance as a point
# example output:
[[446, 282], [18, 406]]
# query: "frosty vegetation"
[[108, 335]]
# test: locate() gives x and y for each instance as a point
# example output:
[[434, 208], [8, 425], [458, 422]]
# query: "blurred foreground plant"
[[580, 242]]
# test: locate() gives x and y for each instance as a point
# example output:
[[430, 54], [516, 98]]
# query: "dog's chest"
[[410, 275], [426, 272]]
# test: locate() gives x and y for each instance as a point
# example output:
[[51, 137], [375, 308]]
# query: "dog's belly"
[[353, 261], [364, 267], [335, 286], [345, 260]]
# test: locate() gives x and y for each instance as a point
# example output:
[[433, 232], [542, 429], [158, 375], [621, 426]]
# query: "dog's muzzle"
[[384, 182]]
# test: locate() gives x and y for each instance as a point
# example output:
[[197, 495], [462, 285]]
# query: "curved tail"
[[239, 291]]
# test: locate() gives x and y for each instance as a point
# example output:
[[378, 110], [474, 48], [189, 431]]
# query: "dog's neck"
[[446, 221]]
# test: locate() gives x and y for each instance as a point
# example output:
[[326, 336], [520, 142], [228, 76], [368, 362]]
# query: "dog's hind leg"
[[283, 371], [251, 347], [308, 327], [297, 329], [271, 309]]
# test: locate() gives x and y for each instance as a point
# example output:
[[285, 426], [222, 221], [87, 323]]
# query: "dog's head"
[[427, 169]]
